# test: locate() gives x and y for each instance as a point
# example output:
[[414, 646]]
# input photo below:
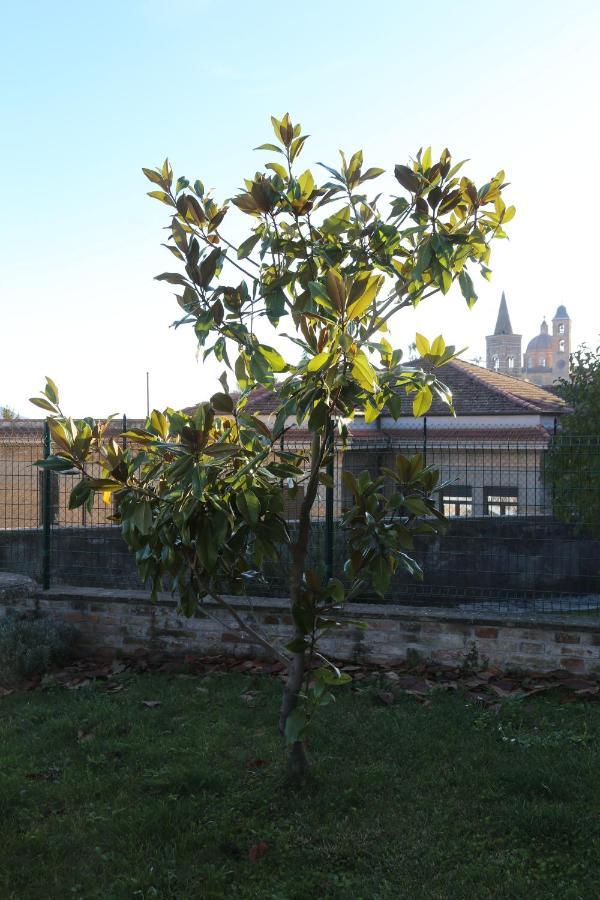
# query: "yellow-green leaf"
[[277, 167], [363, 292], [422, 344], [372, 411], [273, 357], [422, 401], [438, 346], [306, 183], [364, 373], [43, 404], [160, 195], [318, 361]]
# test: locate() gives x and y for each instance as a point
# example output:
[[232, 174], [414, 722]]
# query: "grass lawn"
[[104, 797]]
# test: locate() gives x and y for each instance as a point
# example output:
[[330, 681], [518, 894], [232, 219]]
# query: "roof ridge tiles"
[[495, 387]]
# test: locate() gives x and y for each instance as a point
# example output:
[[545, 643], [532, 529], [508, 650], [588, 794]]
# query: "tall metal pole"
[[46, 512], [147, 394]]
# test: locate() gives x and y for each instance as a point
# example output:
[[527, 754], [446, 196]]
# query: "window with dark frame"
[[501, 501], [456, 501]]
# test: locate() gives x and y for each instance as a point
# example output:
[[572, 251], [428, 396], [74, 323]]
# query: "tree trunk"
[[297, 761]]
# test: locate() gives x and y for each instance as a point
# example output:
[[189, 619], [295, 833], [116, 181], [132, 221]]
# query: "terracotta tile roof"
[[477, 392], [480, 391]]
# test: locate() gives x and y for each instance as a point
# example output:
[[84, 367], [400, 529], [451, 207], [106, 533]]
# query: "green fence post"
[[329, 507], [46, 512]]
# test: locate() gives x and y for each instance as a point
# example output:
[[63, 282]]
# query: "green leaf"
[[247, 246], [249, 506], [222, 402], [142, 516], [172, 278], [417, 506], [271, 147], [43, 404], [467, 289], [275, 305], [54, 464], [295, 725], [154, 177], [298, 645], [407, 178], [139, 435], [80, 494], [51, 390], [320, 295], [329, 676], [208, 267], [373, 172], [394, 404]]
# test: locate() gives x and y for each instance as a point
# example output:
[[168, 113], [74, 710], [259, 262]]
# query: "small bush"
[[31, 645]]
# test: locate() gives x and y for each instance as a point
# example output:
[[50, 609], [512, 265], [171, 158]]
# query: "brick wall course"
[[112, 621]]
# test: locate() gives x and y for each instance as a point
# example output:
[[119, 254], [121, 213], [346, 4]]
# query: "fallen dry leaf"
[[257, 763], [49, 775], [257, 851]]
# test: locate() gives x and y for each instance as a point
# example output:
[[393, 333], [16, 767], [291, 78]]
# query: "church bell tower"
[[503, 346]]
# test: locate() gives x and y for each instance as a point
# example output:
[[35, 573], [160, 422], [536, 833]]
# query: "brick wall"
[[124, 621]]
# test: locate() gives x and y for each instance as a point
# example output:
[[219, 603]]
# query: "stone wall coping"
[[400, 612], [14, 586]]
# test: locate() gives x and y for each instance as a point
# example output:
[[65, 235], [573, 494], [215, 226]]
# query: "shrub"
[[31, 645]]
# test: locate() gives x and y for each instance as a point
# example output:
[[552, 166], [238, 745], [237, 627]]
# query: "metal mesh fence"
[[524, 522]]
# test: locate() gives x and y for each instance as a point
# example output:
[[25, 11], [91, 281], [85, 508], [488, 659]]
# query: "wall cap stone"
[[397, 611], [14, 586]]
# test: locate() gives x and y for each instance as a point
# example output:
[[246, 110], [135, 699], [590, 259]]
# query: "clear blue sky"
[[90, 92]]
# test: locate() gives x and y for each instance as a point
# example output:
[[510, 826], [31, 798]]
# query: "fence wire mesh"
[[524, 521]]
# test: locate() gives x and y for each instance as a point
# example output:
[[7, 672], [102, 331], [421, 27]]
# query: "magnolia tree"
[[325, 267]]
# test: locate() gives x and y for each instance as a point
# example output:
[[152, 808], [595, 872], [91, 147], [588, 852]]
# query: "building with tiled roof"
[[489, 454], [484, 400]]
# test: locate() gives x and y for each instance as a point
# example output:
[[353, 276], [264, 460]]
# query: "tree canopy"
[[326, 264]]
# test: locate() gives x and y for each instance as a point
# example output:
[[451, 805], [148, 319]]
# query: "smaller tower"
[[561, 336], [503, 346], [539, 358]]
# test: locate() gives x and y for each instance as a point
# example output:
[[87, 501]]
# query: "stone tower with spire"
[[503, 346]]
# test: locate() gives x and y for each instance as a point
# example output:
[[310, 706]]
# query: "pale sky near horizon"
[[91, 92]]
